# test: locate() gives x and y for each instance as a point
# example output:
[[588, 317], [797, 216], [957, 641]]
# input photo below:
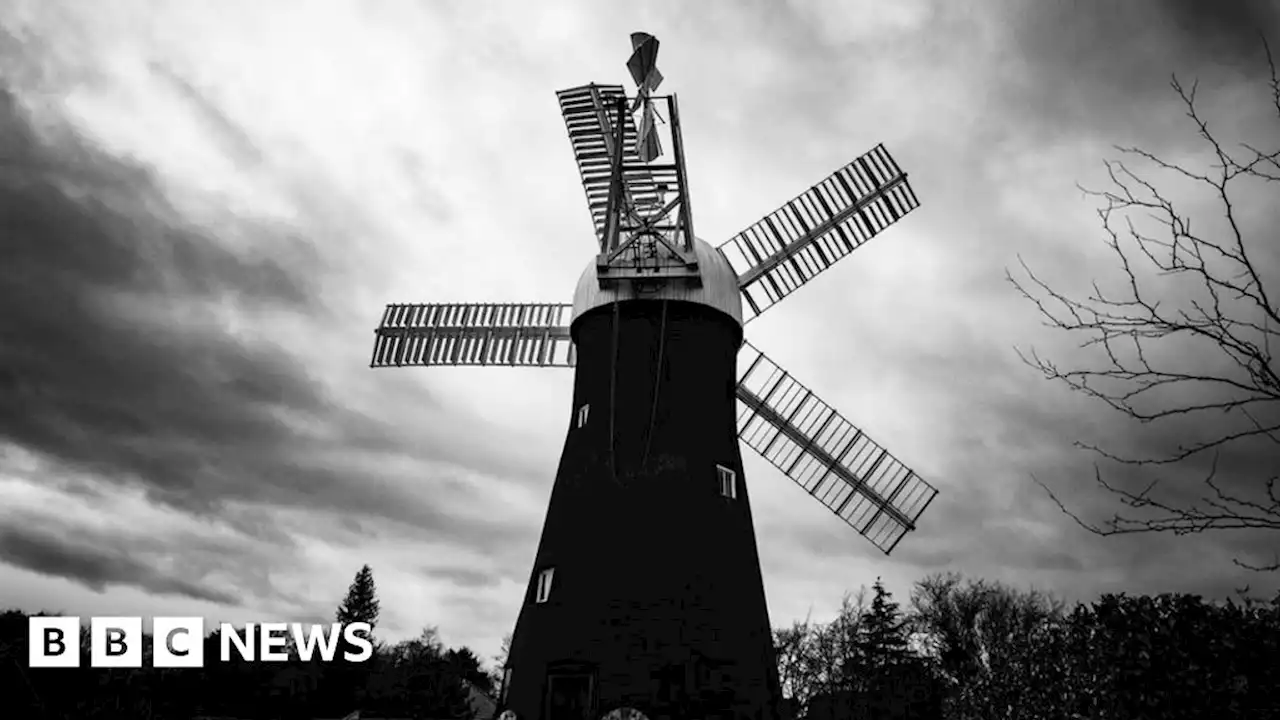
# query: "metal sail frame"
[[793, 244], [534, 334], [779, 418]]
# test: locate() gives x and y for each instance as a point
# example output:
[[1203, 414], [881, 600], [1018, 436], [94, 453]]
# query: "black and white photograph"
[[622, 360]]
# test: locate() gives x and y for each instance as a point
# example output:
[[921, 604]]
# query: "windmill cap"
[[719, 287]]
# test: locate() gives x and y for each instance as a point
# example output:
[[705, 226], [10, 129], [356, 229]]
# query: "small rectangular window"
[[582, 414], [728, 482], [544, 585]]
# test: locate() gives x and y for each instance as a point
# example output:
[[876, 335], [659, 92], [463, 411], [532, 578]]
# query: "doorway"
[[570, 696]]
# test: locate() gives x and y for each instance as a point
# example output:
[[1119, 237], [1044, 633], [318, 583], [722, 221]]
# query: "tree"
[[361, 603], [419, 678], [893, 682], [882, 643], [834, 663], [820, 659], [793, 648], [857, 665], [1167, 656], [347, 682], [1187, 339], [464, 663], [499, 665], [984, 638]]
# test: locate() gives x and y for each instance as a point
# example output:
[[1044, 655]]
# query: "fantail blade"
[[643, 63]]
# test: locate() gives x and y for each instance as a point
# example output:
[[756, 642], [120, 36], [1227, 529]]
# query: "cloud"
[[98, 563], [132, 349], [1105, 67]]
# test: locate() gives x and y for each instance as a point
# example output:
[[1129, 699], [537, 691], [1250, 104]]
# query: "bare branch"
[[1185, 335]]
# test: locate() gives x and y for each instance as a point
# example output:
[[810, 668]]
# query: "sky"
[[206, 207]]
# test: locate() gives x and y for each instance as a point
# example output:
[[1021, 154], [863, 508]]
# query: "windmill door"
[[569, 696]]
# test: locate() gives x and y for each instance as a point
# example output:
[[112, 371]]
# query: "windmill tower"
[[645, 593]]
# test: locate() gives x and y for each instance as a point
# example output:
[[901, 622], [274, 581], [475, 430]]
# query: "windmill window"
[[506, 684], [728, 482], [544, 585], [582, 414]]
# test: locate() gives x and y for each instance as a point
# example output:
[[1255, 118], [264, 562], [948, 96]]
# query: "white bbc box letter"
[[53, 641], [115, 642], [177, 642]]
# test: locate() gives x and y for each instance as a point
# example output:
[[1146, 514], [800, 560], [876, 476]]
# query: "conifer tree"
[[883, 637], [361, 603], [346, 681]]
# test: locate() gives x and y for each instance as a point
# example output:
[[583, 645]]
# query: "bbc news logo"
[[178, 642]]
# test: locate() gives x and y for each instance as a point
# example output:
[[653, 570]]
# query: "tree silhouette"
[[419, 678], [883, 640], [348, 681], [1186, 341], [797, 670], [361, 603], [984, 637], [463, 662], [499, 665]]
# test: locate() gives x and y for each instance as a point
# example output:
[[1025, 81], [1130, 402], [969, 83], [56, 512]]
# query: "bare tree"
[[794, 647], [838, 664], [821, 658], [984, 638], [499, 667], [1183, 288]]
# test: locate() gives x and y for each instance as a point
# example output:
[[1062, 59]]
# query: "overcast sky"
[[206, 206]]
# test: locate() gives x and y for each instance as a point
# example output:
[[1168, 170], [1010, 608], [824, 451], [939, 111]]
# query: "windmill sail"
[[790, 246], [474, 334], [825, 454], [591, 116]]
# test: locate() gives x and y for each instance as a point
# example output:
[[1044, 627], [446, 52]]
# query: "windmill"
[[646, 596]]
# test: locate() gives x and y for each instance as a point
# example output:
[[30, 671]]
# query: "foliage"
[[1012, 654], [816, 659], [859, 662], [419, 678], [463, 663], [980, 634], [1169, 656], [882, 642]]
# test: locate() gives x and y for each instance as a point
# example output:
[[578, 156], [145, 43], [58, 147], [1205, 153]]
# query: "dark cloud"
[[1105, 66], [97, 563], [991, 516], [468, 578], [114, 365]]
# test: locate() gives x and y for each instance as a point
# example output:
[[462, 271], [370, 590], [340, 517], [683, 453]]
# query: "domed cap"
[[719, 287]]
